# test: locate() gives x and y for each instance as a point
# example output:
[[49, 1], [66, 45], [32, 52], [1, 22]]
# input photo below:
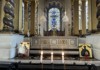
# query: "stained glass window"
[[54, 19]]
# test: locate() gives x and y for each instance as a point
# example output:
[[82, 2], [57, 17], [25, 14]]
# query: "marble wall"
[[94, 40], [8, 45]]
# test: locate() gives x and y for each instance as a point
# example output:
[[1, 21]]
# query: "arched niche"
[[54, 13]]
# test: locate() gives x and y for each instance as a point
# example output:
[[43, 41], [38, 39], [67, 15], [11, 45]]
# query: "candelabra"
[[9, 15]]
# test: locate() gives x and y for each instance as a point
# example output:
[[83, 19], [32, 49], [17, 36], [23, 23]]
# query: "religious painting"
[[23, 49], [85, 50]]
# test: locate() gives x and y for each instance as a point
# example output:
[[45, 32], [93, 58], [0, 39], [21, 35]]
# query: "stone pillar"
[[93, 16], [20, 15], [75, 19], [1, 14], [98, 14], [32, 24], [16, 19], [26, 17], [67, 25], [72, 12], [83, 18], [89, 12], [36, 16], [9, 15]]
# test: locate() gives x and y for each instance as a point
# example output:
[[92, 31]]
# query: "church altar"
[[57, 48], [55, 45]]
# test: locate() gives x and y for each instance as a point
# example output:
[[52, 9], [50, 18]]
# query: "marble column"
[[67, 25], [93, 16], [72, 12], [20, 16], [89, 12], [9, 15], [83, 18], [26, 17], [75, 18], [16, 13], [98, 13], [32, 24], [36, 16], [2, 13]]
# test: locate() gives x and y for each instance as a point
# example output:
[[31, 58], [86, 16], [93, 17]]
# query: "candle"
[[51, 57], [62, 57], [41, 58]]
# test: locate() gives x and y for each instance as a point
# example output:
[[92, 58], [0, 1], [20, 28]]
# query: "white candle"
[[51, 57], [62, 57], [41, 58]]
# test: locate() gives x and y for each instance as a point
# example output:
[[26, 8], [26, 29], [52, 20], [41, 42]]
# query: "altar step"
[[28, 66], [52, 67], [57, 53], [72, 51]]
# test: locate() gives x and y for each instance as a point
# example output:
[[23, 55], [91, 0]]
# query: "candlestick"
[[41, 58], [62, 57], [51, 57]]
